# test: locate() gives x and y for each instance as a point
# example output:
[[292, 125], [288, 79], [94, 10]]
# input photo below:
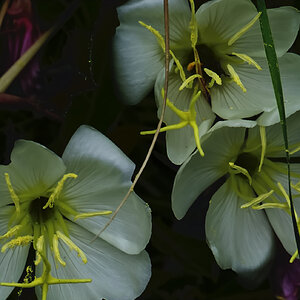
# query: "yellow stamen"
[[12, 193], [211, 83], [38, 258], [191, 66], [193, 25], [187, 118], [294, 256], [56, 250], [92, 214], [11, 232], [188, 81], [248, 59], [58, 190], [158, 36], [241, 170], [235, 77], [285, 195], [258, 199], [283, 206], [72, 246], [241, 32], [161, 42], [263, 137], [213, 75], [19, 241], [295, 150]]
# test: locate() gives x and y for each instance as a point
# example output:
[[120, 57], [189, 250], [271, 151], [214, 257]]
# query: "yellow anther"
[[213, 75], [56, 250], [187, 118], [235, 77], [263, 137], [241, 32], [158, 36], [179, 66], [191, 66], [12, 193], [188, 81], [28, 276], [240, 170], [72, 246], [11, 232], [92, 214], [285, 195], [58, 189], [38, 258], [248, 59], [258, 199], [193, 25], [19, 241]]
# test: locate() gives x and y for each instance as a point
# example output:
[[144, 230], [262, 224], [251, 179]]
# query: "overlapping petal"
[[12, 261], [241, 239], [198, 173], [138, 57], [130, 231], [115, 275], [32, 171]]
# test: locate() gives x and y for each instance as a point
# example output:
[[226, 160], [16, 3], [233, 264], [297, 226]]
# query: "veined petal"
[[181, 142], [33, 170], [137, 56], [219, 20], [198, 173], [284, 22], [115, 275], [230, 102], [241, 239], [130, 230], [12, 261], [275, 141], [289, 65], [280, 220], [97, 161]]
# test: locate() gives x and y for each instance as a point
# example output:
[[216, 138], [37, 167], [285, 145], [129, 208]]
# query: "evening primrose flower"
[[217, 50], [57, 205], [252, 162]]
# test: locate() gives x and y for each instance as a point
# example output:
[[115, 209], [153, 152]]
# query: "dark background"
[[75, 86]]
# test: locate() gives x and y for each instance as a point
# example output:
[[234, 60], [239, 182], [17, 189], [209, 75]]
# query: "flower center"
[[248, 161]]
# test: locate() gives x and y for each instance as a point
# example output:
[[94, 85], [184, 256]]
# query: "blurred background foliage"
[[75, 85]]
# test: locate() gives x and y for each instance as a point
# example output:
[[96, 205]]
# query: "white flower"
[[59, 206], [217, 50], [238, 231]]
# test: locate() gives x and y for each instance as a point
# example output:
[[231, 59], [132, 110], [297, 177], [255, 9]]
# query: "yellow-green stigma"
[[42, 222]]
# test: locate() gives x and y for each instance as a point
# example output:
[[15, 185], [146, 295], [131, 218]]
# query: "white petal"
[[137, 55], [33, 170], [233, 123], [115, 275], [275, 137], [97, 161], [241, 239], [12, 261], [181, 142], [230, 102], [284, 22], [130, 231], [219, 20], [198, 173], [279, 219], [289, 65]]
